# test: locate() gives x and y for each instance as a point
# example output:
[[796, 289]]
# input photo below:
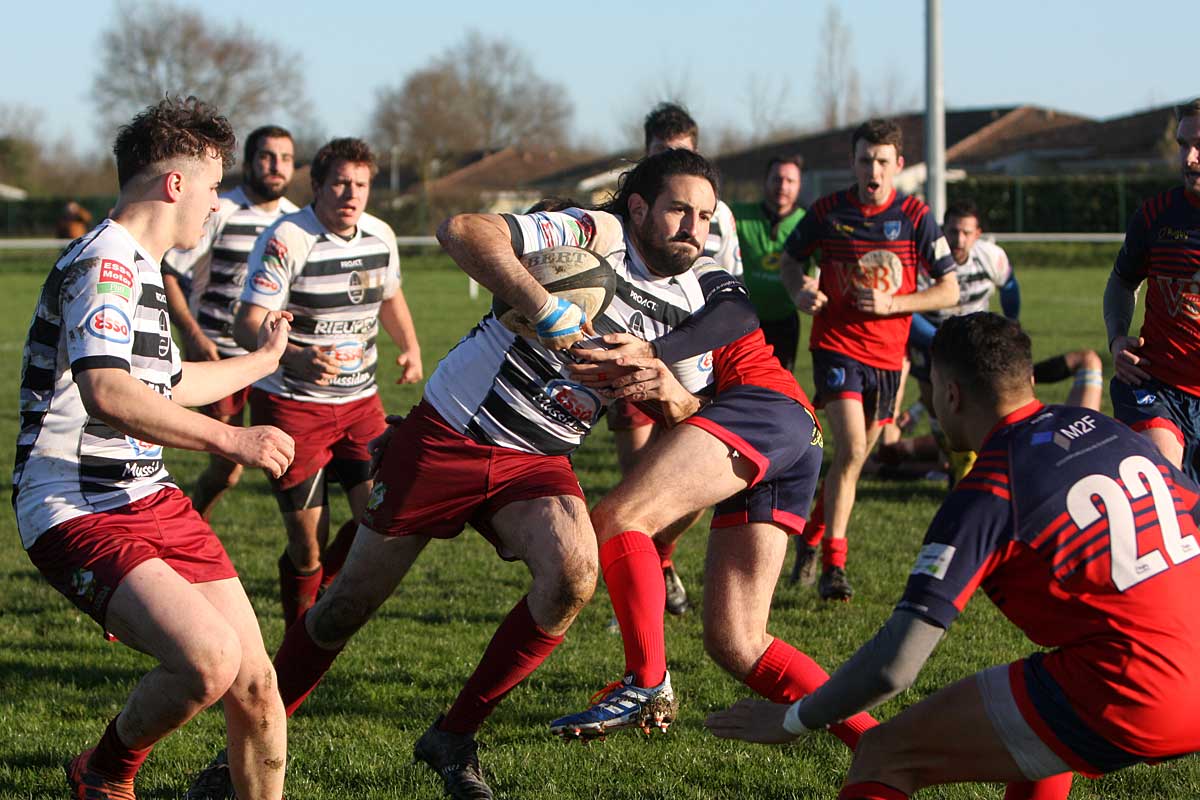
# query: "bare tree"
[[837, 86], [159, 48], [479, 94]]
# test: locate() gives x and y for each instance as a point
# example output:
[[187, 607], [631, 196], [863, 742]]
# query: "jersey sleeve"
[[729, 257], [805, 238], [271, 267], [727, 316], [1130, 265], [97, 316], [932, 247], [965, 541], [393, 280], [575, 227]]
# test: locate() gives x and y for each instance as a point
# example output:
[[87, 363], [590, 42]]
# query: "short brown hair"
[[257, 135], [667, 121], [988, 355], [879, 131], [173, 128], [356, 151], [1190, 109], [795, 161]]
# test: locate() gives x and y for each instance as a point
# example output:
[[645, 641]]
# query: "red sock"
[[870, 790], [114, 759], [833, 553], [665, 551], [335, 554], [635, 584], [300, 664], [1054, 788], [783, 675], [517, 649], [297, 590], [814, 529]]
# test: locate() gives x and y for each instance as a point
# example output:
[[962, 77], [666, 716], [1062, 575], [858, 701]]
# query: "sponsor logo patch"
[[637, 325], [164, 338], [356, 291], [934, 560], [577, 401], [144, 449], [705, 362], [376, 498], [836, 378], [115, 272], [348, 355], [1144, 398], [124, 292], [134, 469], [109, 323], [265, 283]]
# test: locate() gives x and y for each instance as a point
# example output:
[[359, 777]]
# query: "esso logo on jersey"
[[704, 362], [143, 449], [264, 283], [348, 355], [577, 401], [109, 323]]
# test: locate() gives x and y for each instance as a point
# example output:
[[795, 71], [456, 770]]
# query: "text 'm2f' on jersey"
[[511, 392], [333, 287], [868, 247], [216, 267], [102, 307], [1085, 537]]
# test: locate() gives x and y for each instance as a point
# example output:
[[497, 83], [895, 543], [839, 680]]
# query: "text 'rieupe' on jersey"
[[102, 307]]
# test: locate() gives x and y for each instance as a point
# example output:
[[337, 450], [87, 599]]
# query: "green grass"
[[60, 682]]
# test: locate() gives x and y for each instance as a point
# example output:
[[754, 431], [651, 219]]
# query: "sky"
[[615, 59]]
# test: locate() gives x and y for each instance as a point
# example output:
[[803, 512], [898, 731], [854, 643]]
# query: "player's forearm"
[[205, 382], [942, 294], [481, 246], [882, 668], [1120, 302], [133, 408], [792, 272], [397, 320], [177, 307]]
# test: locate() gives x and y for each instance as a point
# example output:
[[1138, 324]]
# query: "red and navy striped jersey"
[[868, 247], [1085, 537], [1162, 246], [750, 361]]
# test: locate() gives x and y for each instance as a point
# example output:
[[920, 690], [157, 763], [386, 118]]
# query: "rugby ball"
[[576, 274]]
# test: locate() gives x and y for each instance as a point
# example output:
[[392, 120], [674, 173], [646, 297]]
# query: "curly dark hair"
[[356, 151], [172, 128], [649, 176]]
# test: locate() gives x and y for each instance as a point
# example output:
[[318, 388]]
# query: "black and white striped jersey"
[[333, 287], [102, 307], [216, 268], [986, 270], [511, 392], [722, 242]]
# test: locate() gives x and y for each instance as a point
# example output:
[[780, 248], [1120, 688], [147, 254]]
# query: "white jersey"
[[216, 267], [508, 391], [333, 287], [722, 242], [987, 269], [102, 307]]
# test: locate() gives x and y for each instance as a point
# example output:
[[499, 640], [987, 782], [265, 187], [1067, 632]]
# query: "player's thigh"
[[552, 535], [740, 573], [228, 598], [1167, 443], [158, 612], [630, 443], [847, 424], [688, 469], [946, 738]]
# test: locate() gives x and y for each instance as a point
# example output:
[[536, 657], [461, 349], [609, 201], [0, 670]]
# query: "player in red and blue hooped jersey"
[[1085, 537], [869, 241], [1156, 389]]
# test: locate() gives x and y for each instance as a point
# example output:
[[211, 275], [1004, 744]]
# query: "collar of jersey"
[[870, 211], [330, 236], [1024, 412], [112, 223]]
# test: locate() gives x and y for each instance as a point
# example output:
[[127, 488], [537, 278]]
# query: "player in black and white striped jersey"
[[488, 444], [212, 273], [97, 511], [336, 269]]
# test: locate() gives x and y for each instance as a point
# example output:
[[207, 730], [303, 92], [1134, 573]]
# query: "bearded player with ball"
[[489, 443]]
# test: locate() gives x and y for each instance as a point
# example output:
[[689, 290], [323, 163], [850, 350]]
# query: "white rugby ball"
[[576, 274]]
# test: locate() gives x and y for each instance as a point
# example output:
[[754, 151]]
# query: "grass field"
[[60, 681]]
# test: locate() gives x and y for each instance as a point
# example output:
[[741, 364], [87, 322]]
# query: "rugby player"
[[871, 240], [762, 229], [669, 126], [103, 391], [1156, 388], [489, 442], [213, 273], [1085, 536], [754, 452], [336, 269]]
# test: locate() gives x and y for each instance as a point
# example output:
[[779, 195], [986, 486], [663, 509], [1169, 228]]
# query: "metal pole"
[[935, 112]]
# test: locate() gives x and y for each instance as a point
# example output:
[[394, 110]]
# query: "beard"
[[263, 189], [665, 257]]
